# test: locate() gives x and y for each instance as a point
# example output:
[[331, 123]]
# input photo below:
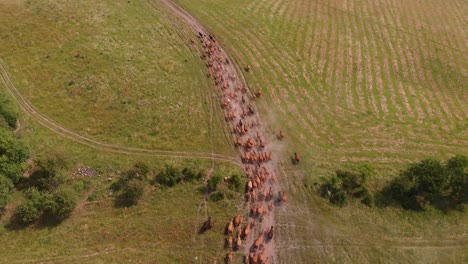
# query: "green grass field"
[[120, 73], [114, 71], [379, 82], [356, 82]]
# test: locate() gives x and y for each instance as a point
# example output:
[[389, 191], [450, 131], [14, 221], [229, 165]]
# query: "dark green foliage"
[[54, 161], [6, 187], [368, 200], [169, 176], [338, 197], [26, 212], [7, 110], [347, 184], [139, 171], [38, 198], [349, 180], [132, 191], [141, 168], [190, 175], [80, 185], [396, 192], [237, 183], [457, 171], [214, 181], [429, 177], [430, 182], [62, 203], [50, 171], [131, 185], [13, 155], [217, 196]]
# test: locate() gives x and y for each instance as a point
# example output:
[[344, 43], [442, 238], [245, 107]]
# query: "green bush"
[[430, 182], [429, 177], [141, 168], [26, 212], [62, 203], [368, 200], [132, 191], [217, 196], [237, 183], [190, 175], [457, 171], [338, 197], [169, 176], [38, 198], [13, 155], [344, 184], [7, 110], [215, 180], [6, 187]]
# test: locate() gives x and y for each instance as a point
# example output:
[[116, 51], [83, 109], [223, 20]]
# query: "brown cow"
[[297, 158]]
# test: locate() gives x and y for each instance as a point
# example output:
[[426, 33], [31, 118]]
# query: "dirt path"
[[241, 115], [69, 134]]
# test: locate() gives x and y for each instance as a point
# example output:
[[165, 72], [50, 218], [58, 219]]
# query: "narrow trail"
[[55, 127], [255, 222]]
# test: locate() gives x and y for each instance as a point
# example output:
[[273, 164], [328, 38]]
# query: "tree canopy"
[[13, 155]]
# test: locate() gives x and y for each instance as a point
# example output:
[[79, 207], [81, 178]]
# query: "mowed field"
[[377, 81], [354, 82], [116, 72]]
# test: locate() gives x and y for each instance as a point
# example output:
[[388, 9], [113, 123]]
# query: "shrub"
[[457, 171], [368, 200], [62, 203], [215, 180], [338, 197], [26, 212], [190, 175], [132, 191], [6, 187], [141, 168], [236, 183], [7, 110], [13, 155], [38, 198], [429, 176], [170, 176], [349, 180], [217, 196]]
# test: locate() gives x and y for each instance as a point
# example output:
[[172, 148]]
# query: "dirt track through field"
[[69, 134], [237, 102]]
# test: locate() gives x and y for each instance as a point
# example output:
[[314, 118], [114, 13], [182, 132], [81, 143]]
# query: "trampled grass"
[[380, 82]]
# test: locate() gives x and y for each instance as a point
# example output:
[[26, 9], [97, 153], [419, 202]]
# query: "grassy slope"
[[114, 71], [162, 228], [142, 60], [363, 81]]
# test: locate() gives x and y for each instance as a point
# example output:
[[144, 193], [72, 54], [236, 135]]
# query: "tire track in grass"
[[47, 122]]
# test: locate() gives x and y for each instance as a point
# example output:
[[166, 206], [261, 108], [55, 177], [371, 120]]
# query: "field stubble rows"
[[363, 81]]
